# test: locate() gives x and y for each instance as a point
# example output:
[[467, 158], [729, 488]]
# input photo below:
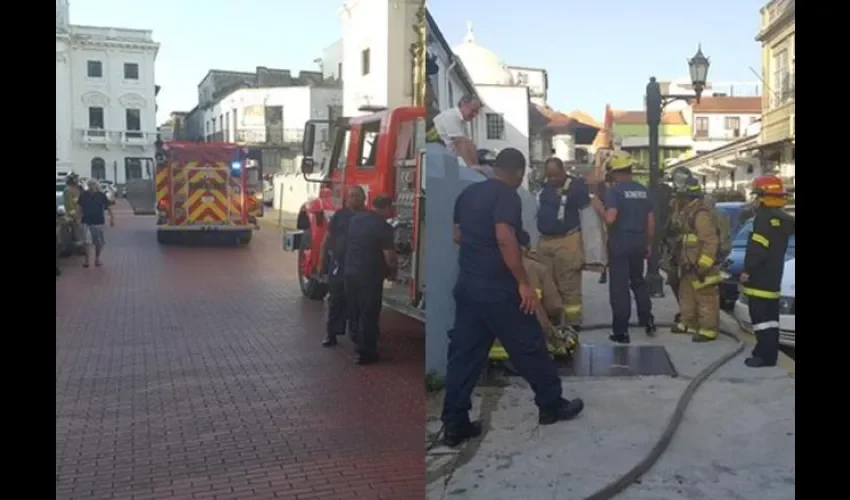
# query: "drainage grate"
[[600, 360]]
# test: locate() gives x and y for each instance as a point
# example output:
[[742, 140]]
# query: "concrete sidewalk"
[[736, 441], [272, 217]]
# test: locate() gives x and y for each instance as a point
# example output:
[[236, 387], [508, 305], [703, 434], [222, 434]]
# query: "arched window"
[[98, 168]]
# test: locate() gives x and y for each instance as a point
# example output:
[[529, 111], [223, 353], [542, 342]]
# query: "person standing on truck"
[[559, 223], [92, 205], [333, 253], [627, 211], [763, 266], [370, 258], [451, 127], [495, 300]]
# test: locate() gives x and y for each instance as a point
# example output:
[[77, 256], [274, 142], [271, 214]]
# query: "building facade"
[[632, 135], [270, 119], [105, 100], [778, 40], [718, 120], [448, 79], [377, 63]]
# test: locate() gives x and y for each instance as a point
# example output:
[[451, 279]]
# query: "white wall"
[[331, 60], [385, 27], [717, 134], [299, 105], [513, 104]]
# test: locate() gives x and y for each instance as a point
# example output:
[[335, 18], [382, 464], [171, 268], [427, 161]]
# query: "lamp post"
[[655, 103]]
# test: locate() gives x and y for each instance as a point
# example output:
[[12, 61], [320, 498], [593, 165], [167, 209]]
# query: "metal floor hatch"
[[603, 360]]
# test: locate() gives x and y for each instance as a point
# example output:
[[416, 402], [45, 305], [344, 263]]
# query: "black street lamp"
[[655, 103]]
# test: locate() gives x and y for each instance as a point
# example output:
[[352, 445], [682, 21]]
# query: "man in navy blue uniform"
[[369, 258], [631, 227], [494, 300], [333, 253]]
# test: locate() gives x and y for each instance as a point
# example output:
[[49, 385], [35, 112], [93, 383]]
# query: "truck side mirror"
[[307, 166], [308, 142]]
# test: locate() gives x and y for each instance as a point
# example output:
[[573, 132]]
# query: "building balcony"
[[110, 138], [269, 136], [774, 14], [777, 124]]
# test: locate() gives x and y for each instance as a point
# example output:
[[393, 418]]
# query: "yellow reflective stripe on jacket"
[[713, 279], [690, 238], [705, 261], [761, 240], [760, 294], [572, 309], [432, 134]]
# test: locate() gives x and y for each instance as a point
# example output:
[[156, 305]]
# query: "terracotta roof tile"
[[639, 118], [728, 104]]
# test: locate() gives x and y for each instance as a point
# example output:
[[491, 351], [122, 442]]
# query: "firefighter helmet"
[[693, 188], [620, 160], [769, 191]]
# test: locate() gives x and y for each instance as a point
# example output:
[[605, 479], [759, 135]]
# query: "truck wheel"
[[311, 287], [163, 237], [244, 237]]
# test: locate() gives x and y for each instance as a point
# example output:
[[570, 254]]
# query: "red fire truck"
[[206, 187], [382, 153]]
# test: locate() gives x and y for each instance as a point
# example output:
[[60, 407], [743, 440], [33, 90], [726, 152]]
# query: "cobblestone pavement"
[[197, 373]]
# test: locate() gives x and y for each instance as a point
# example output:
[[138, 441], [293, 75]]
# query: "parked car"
[[734, 264], [735, 212], [268, 193], [787, 307]]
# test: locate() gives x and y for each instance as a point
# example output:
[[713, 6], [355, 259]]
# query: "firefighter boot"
[[456, 434]]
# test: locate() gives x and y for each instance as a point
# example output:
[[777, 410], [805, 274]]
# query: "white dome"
[[484, 67]]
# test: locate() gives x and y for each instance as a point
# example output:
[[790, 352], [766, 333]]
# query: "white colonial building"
[[105, 99], [719, 120], [504, 120], [376, 61]]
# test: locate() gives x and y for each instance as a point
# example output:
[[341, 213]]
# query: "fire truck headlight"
[[236, 168]]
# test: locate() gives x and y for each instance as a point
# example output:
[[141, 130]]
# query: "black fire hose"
[[619, 485], [623, 482]]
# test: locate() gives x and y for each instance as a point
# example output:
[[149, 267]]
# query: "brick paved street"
[[197, 373]]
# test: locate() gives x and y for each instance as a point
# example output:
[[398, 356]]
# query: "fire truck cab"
[[384, 154]]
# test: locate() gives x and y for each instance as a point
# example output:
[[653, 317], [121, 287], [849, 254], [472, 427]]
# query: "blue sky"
[[199, 35], [599, 52], [596, 52]]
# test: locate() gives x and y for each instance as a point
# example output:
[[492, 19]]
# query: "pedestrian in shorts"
[[93, 204]]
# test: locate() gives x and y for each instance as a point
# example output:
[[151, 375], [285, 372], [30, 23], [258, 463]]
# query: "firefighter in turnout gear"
[[671, 247], [560, 243], [763, 266], [560, 341], [699, 273], [70, 199]]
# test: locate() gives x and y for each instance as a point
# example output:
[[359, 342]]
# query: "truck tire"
[[164, 237], [312, 288], [244, 237]]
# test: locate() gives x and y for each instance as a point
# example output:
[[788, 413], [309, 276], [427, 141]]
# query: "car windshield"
[[743, 236]]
